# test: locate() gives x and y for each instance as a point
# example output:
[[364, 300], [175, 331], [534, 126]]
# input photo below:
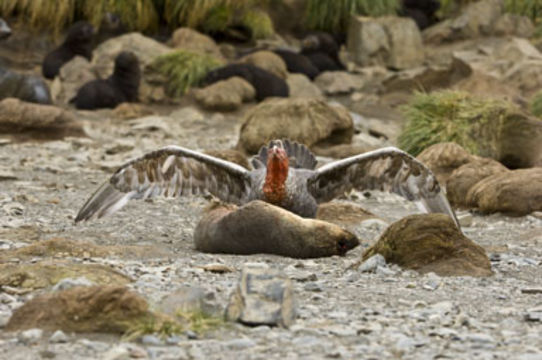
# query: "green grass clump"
[[183, 69], [333, 16], [459, 117], [535, 104], [259, 23], [56, 15]]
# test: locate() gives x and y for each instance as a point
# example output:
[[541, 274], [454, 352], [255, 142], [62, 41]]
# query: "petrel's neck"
[[274, 188]]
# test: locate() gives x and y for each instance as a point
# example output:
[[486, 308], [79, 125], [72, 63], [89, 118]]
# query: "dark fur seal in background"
[[265, 83], [121, 86], [78, 42], [323, 51], [298, 63], [25, 87], [423, 12], [5, 30], [110, 27]]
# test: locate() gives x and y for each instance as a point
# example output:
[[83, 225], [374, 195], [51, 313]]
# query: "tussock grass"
[[445, 116], [183, 69], [259, 23], [535, 104], [333, 16]]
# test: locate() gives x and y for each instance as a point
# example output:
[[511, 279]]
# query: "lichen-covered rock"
[[262, 297], [391, 41], [225, 95], [104, 309], [463, 178], [192, 40], [267, 60], [315, 122], [301, 86], [259, 227], [431, 243], [36, 120], [517, 192], [44, 274], [444, 158]]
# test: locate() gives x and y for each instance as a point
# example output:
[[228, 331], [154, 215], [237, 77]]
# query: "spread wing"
[[170, 171], [387, 169]]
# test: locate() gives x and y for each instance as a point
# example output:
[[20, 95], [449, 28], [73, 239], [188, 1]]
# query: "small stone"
[[240, 344], [173, 340], [30, 337], [313, 286], [465, 220], [531, 291], [58, 337], [151, 340], [117, 353], [4, 318], [69, 283], [191, 335], [372, 263]]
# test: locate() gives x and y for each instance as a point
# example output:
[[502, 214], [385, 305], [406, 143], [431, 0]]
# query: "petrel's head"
[[276, 172]]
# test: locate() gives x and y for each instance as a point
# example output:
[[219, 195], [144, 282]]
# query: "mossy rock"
[[517, 192], [431, 243], [462, 179], [44, 274], [485, 127], [104, 309]]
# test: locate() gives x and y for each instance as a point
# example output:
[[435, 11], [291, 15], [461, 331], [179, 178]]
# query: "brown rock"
[[431, 243], [444, 158], [225, 95], [38, 121], [267, 60], [517, 192], [104, 309], [301, 86], [520, 143], [315, 122], [259, 227], [72, 76], [192, 40], [129, 111], [230, 155], [466, 176], [485, 85], [343, 214], [514, 25], [48, 273]]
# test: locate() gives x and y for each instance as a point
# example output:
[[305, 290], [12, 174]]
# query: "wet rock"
[[267, 60], [316, 122], [225, 95], [444, 158], [71, 77], [463, 178], [338, 82], [24, 87], [513, 25], [259, 227], [431, 243], [301, 86], [40, 121], [262, 297], [108, 309], [58, 337], [477, 19], [517, 192], [230, 155], [391, 41], [31, 336], [45, 274], [192, 40]]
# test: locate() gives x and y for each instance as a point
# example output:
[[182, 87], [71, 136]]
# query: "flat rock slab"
[[259, 227], [431, 243], [262, 297], [109, 309]]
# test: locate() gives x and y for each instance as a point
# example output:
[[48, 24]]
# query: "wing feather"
[[388, 169], [170, 171]]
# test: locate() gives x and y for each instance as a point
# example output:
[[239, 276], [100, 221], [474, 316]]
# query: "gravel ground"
[[387, 314]]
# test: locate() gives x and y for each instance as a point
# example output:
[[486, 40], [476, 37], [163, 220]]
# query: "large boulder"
[[464, 177], [444, 158], [225, 95], [71, 77], [24, 87], [266, 60], [41, 121], [315, 121], [105, 309], [301, 86], [391, 41], [431, 243], [192, 40], [259, 227], [517, 192]]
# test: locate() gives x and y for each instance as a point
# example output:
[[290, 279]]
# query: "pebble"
[[68, 283], [30, 337], [372, 263], [151, 340], [239, 344], [58, 337]]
